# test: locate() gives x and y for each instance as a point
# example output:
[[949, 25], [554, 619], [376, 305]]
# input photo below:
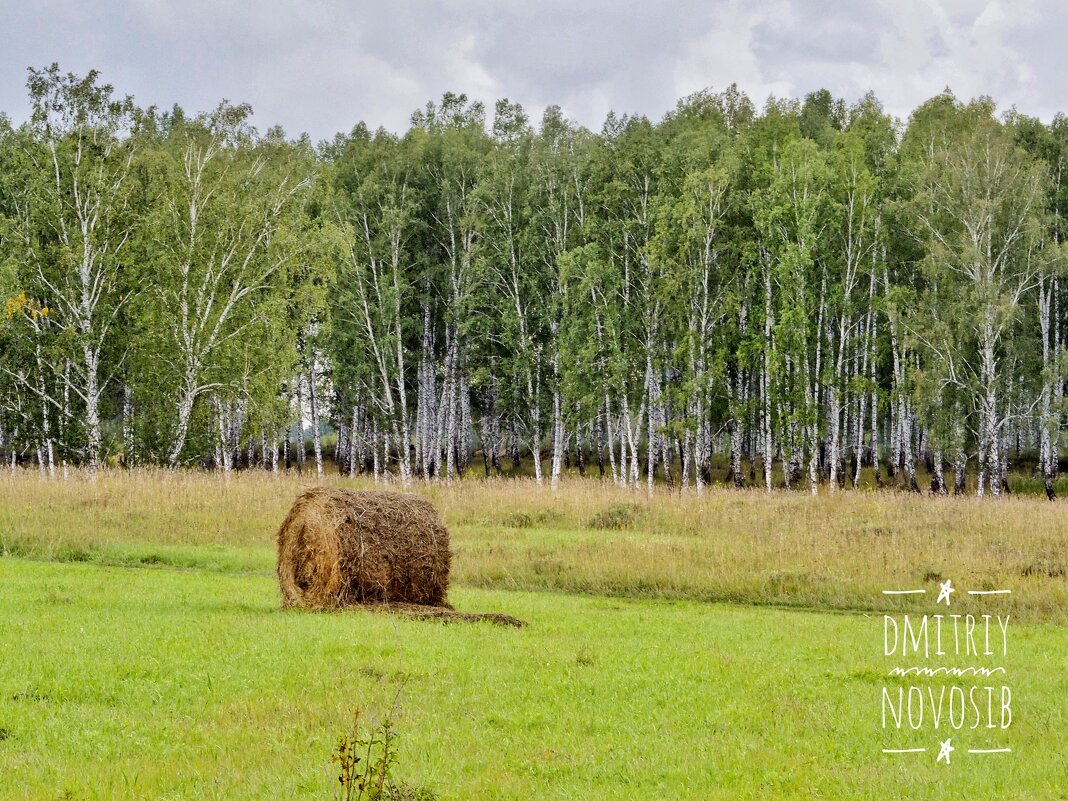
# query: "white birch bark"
[[313, 401]]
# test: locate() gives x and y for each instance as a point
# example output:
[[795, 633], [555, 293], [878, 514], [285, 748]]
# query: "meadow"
[[723, 646]]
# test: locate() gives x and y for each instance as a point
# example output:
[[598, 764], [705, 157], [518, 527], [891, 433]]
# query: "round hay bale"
[[339, 547]]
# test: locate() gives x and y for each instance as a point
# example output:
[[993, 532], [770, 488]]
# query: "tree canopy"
[[786, 296]]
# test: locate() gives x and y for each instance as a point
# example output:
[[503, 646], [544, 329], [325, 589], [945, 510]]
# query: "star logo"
[[944, 750], [947, 588]]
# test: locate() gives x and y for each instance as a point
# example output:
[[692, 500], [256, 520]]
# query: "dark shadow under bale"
[[446, 614]]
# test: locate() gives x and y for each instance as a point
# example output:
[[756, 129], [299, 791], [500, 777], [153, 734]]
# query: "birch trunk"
[[313, 401], [766, 381], [1047, 421], [353, 439], [558, 440]]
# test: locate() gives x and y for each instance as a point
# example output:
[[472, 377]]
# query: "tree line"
[[797, 295]]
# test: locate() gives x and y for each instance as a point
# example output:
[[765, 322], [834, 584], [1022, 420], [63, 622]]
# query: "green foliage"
[[655, 285], [366, 759], [618, 516]]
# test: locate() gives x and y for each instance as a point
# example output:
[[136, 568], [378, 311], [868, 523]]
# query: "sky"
[[320, 66]]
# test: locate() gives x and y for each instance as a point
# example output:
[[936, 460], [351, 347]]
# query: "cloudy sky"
[[321, 65]]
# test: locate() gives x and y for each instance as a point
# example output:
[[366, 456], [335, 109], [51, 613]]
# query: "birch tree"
[[374, 300], [455, 143], [220, 248], [791, 217], [979, 207], [517, 300], [73, 211], [695, 287], [855, 214]]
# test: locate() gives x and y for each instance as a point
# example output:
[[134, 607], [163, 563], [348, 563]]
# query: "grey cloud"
[[815, 36], [322, 65]]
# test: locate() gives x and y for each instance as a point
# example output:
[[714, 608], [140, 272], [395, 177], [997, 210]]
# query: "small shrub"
[[528, 519], [366, 758], [793, 584], [1046, 564], [518, 520], [623, 515], [73, 553]]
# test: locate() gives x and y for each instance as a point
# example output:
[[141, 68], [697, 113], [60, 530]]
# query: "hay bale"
[[338, 547]]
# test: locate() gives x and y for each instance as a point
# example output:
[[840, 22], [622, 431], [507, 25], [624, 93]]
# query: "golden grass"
[[835, 551]]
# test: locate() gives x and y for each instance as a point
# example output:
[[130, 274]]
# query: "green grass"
[[165, 683], [145, 655]]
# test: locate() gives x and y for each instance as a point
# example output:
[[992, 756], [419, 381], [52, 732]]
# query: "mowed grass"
[[837, 551], [120, 683], [145, 655]]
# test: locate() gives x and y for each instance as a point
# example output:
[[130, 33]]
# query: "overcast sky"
[[322, 65]]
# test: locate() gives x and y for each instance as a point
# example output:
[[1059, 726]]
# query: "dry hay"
[[384, 551], [338, 547]]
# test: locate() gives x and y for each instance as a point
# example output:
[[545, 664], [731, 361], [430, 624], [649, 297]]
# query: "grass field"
[[145, 654]]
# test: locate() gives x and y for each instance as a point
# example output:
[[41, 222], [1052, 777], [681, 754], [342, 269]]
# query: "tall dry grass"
[[835, 551]]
